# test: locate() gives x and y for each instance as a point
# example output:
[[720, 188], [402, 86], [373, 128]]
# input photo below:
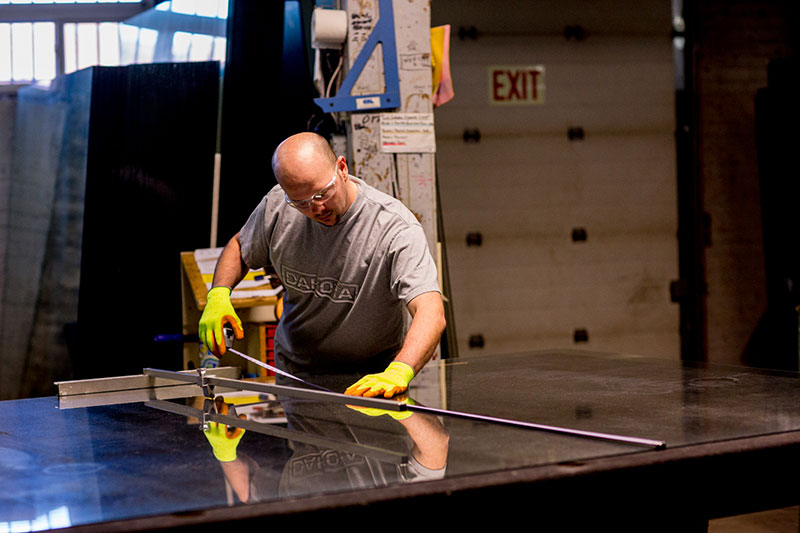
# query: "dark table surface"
[[129, 466]]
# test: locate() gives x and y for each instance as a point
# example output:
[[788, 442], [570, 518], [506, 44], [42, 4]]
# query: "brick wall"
[[734, 42]]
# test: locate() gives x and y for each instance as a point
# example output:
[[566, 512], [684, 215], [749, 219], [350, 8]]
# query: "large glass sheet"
[[671, 401], [44, 234], [131, 460]]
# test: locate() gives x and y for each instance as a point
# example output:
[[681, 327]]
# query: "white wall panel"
[[525, 186], [607, 83]]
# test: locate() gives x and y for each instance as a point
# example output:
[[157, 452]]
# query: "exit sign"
[[516, 85]]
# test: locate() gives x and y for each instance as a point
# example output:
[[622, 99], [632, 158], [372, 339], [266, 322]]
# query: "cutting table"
[[135, 459]]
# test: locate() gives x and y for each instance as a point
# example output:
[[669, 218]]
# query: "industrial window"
[[30, 51], [200, 8], [27, 51], [107, 44], [69, 1]]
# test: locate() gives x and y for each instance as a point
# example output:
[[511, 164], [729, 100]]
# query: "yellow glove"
[[223, 439], [218, 312], [374, 411], [393, 380]]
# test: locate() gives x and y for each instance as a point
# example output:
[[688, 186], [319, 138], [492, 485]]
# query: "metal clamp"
[[204, 384], [208, 408], [212, 406]]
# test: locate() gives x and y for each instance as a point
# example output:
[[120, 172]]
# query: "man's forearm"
[[230, 269], [427, 326], [238, 475], [430, 438]]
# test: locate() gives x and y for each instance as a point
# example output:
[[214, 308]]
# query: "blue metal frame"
[[383, 33]]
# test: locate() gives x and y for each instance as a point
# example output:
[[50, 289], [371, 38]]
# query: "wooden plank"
[[253, 312]]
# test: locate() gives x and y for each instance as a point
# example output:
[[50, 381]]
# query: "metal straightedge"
[[383, 33], [156, 385], [209, 382], [392, 405]]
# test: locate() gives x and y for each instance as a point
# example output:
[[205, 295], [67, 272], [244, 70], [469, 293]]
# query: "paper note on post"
[[410, 133]]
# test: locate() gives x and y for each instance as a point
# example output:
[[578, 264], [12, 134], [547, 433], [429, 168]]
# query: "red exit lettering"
[[520, 85]]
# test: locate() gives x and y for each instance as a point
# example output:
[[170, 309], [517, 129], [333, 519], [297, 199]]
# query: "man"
[[350, 258]]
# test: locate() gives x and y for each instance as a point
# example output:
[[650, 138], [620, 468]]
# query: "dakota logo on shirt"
[[326, 461], [330, 288]]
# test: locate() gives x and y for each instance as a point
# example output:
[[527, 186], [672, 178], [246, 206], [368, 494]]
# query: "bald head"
[[301, 158], [314, 180]]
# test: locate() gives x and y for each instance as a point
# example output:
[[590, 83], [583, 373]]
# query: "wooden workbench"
[[256, 313]]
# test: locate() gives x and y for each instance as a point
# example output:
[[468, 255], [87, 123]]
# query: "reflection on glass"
[[166, 465], [326, 449], [57, 518]]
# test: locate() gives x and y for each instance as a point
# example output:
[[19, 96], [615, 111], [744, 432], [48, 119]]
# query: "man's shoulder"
[[274, 202], [271, 200], [272, 210], [386, 205], [275, 194]]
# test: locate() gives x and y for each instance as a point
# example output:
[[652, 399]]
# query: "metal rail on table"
[[207, 383]]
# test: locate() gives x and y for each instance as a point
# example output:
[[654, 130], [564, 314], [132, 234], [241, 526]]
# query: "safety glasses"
[[322, 196]]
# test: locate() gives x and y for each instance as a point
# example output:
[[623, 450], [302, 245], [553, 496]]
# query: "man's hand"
[[223, 439], [393, 380], [224, 442], [218, 312]]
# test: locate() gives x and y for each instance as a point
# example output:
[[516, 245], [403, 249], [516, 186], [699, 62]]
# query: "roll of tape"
[[328, 28]]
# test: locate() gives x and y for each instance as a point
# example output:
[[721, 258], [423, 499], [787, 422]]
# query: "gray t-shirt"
[[346, 285]]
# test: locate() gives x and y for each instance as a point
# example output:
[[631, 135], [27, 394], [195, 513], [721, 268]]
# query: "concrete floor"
[[776, 521]]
